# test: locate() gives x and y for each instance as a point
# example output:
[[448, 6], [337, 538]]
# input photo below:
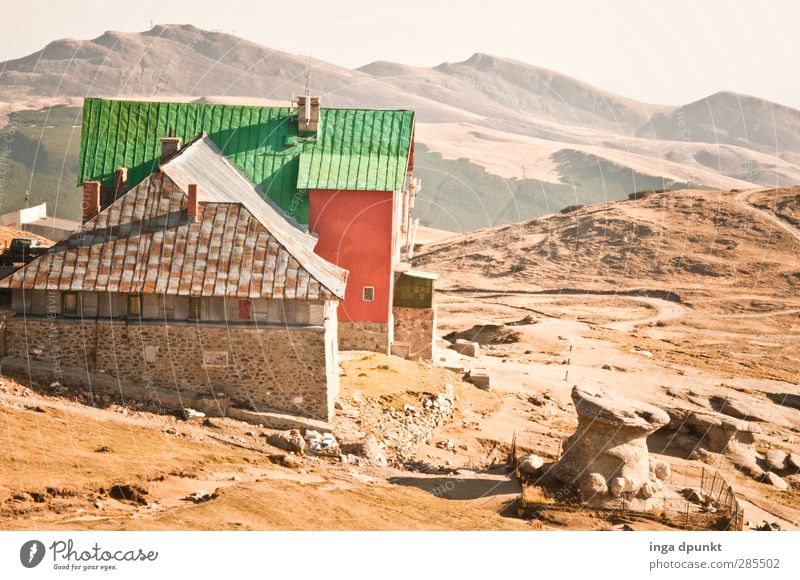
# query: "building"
[[344, 175], [192, 282], [35, 220]]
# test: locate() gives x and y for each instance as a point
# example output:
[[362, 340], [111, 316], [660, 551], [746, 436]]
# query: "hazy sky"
[[663, 52]]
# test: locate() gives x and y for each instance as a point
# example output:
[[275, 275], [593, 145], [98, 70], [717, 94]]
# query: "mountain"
[[718, 251], [499, 140]]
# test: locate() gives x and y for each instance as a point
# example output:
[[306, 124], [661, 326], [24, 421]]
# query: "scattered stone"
[[201, 496], [480, 378], [776, 460], [193, 415], [530, 464], [236, 478], [794, 460], [776, 481], [208, 422], [288, 440], [466, 348], [249, 434], [103, 449], [98, 505]]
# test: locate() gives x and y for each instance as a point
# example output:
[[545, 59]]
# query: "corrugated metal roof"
[[421, 274], [355, 149], [145, 243]]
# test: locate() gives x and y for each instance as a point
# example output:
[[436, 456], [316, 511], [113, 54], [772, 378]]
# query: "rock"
[[249, 434], [236, 478], [749, 410], [617, 486], [193, 415], [776, 460], [290, 461], [794, 460], [776, 481], [592, 485], [288, 441], [480, 378], [98, 505], [693, 496], [714, 432], [648, 490], [610, 440], [661, 469], [466, 348], [200, 496], [530, 464], [368, 449]]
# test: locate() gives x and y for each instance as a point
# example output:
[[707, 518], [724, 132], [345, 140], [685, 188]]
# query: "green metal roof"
[[354, 149]]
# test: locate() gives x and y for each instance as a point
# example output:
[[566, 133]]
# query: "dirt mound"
[[486, 334]]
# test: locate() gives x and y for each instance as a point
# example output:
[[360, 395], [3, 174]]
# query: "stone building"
[[190, 283], [344, 175]]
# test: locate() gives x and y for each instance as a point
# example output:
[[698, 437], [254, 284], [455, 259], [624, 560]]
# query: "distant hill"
[[500, 140]]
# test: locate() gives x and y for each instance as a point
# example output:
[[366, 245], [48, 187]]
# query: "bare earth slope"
[[704, 246]]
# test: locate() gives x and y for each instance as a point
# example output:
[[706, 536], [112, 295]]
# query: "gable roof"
[[144, 242], [354, 148]]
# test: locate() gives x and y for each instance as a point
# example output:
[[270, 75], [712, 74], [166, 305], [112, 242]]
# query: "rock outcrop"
[[607, 455]]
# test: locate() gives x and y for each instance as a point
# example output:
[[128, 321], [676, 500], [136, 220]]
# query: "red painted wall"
[[355, 230]]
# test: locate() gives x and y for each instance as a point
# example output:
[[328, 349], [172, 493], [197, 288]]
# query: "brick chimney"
[[170, 145], [121, 181], [191, 204], [91, 199]]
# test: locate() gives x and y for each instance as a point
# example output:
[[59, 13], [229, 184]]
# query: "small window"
[[69, 303], [134, 305], [194, 308], [368, 294]]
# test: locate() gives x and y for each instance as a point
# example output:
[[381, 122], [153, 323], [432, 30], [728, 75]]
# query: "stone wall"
[[374, 336], [417, 328], [269, 368]]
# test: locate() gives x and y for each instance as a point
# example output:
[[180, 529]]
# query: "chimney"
[[191, 204], [170, 145], [121, 181], [308, 113], [91, 199]]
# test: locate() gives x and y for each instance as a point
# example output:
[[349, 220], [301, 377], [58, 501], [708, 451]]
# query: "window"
[[135, 305], [194, 308], [368, 294], [69, 303]]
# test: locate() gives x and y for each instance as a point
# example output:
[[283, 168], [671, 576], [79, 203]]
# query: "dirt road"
[[741, 198]]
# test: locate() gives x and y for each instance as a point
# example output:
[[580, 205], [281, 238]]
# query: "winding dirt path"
[[741, 198]]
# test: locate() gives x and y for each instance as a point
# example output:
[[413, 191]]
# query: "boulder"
[[591, 485], [776, 481], [610, 440], [648, 490], [480, 378], [288, 441], [794, 461], [750, 410], [530, 464], [660, 469], [367, 449], [714, 432], [776, 460], [466, 348]]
